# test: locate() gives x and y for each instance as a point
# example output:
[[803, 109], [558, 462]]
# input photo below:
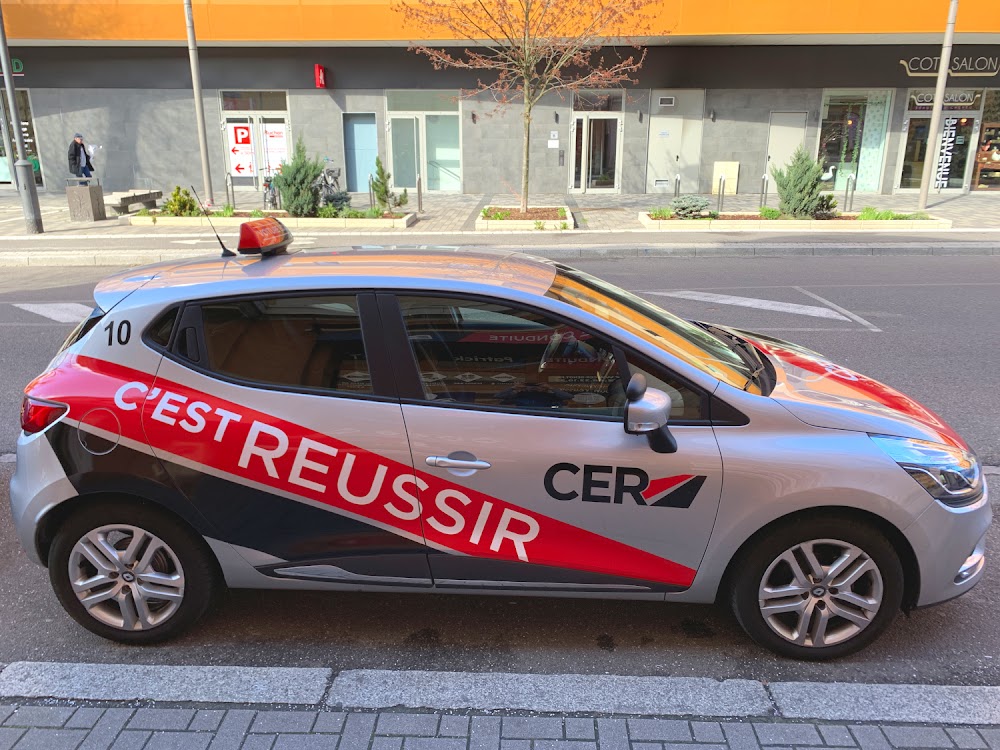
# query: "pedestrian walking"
[[79, 160]]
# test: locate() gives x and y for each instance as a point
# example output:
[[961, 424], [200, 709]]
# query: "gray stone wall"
[[740, 130], [491, 147], [141, 137], [317, 116], [634, 161]]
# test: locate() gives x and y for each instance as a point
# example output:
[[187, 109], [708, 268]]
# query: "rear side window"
[[159, 332], [296, 342], [86, 325]]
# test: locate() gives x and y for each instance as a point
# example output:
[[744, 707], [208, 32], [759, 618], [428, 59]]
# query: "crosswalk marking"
[[63, 312], [760, 304]]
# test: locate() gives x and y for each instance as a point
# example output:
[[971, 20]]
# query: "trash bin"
[[86, 200]]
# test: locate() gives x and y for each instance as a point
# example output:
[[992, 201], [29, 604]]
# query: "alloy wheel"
[[820, 593]]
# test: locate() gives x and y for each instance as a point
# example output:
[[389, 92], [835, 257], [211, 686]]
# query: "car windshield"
[[686, 341]]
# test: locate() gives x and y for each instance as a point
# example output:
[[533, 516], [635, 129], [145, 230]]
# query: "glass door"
[[28, 133], [404, 152], [954, 160], [444, 154], [256, 145], [597, 146]]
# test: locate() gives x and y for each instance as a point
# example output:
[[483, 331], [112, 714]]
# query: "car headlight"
[[950, 474]]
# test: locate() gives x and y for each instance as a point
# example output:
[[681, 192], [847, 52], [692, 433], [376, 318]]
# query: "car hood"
[[824, 394]]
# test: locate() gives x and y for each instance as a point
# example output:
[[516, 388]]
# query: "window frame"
[[411, 391], [376, 355]]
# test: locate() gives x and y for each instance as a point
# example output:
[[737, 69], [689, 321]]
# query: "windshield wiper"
[[744, 349]]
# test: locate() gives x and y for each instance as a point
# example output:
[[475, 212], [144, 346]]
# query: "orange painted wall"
[[373, 20]]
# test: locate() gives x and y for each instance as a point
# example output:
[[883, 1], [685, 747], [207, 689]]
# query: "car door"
[[276, 415], [529, 481]]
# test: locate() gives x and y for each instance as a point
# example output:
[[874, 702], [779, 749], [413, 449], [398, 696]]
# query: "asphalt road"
[[936, 341]]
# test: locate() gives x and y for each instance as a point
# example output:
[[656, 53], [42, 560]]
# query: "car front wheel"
[[131, 573], [818, 589]]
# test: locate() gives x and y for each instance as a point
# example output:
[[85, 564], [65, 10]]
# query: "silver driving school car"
[[433, 420]]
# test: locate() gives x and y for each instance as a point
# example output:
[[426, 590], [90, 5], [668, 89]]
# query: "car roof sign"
[[263, 237]]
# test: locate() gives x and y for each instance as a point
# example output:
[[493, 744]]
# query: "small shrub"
[[143, 212], [660, 214], [826, 208], [919, 216], [564, 225], [352, 213], [295, 182], [384, 197], [770, 213], [539, 225], [870, 213], [328, 212], [496, 214], [690, 206], [226, 211], [799, 185], [373, 213], [180, 203], [256, 214], [338, 200], [562, 213]]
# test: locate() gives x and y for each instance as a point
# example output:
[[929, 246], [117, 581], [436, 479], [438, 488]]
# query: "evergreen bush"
[[799, 185], [384, 197], [826, 208], [690, 207], [295, 182], [180, 203]]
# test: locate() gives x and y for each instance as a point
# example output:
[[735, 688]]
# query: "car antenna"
[[226, 252]]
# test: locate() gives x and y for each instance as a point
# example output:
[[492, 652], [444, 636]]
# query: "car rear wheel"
[[131, 573], [818, 589]]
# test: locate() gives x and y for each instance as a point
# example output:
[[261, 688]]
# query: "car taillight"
[[37, 415]]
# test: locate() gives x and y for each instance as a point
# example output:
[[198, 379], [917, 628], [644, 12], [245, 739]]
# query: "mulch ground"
[[532, 214], [758, 217]]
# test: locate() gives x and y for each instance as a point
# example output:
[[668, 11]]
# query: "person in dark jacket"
[[79, 160]]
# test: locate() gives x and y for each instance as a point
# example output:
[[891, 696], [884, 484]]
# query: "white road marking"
[[760, 304], [127, 682], [64, 312], [838, 308]]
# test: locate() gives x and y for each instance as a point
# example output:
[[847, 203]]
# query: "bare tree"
[[533, 47]]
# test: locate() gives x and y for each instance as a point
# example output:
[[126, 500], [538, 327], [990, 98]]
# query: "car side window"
[[489, 354], [310, 342], [686, 404]]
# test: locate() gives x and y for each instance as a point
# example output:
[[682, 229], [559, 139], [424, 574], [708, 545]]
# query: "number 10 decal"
[[122, 335]]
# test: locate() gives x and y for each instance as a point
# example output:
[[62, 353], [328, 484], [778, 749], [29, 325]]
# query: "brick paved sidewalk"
[[46, 727]]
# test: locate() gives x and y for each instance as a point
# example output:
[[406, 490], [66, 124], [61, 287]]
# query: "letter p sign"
[[241, 135]]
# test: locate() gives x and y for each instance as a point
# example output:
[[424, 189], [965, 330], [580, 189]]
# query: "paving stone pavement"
[[595, 212], [27, 726]]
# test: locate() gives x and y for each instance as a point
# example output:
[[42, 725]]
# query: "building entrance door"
[[786, 133], [429, 145], [952, 165], [360, 150], [256, 145], [597, 153]]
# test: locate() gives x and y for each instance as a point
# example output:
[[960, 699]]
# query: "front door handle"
[[446, 462]]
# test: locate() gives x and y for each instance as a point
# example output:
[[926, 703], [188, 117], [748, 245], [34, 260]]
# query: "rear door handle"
[[443, 462]]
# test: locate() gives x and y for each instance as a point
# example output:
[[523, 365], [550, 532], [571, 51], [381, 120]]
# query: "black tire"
[[754, 563], [201, 575]]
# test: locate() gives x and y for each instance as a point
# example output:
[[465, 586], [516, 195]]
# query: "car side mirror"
[[647, 411]]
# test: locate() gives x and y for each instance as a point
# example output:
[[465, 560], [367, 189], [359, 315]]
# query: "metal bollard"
[[420, 194], [722, 192], [849, 190], [677, 186], [371, 193], [763, 190]]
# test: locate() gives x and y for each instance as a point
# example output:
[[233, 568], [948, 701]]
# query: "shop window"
[[987, 170], [422, 101], [254, 101], [30, 142], [852, 138]]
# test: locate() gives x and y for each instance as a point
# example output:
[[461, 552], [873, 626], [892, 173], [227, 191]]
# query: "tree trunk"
[[524, 157]]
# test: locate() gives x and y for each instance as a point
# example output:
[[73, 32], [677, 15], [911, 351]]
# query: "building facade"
[[706, 105]]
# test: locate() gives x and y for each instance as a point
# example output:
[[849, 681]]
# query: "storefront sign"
[[240, 145], [16, 67], [948, 139], [954, 99], [969, 65], [319, 74]]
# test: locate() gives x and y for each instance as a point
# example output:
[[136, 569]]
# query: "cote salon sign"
[[961, 65]]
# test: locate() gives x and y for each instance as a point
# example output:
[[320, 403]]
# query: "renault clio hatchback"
[[434, 420]]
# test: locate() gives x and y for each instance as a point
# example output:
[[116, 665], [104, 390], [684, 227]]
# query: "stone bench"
[[120, 202]]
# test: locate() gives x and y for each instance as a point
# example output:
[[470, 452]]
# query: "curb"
[[34, 258], [471, 691]]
